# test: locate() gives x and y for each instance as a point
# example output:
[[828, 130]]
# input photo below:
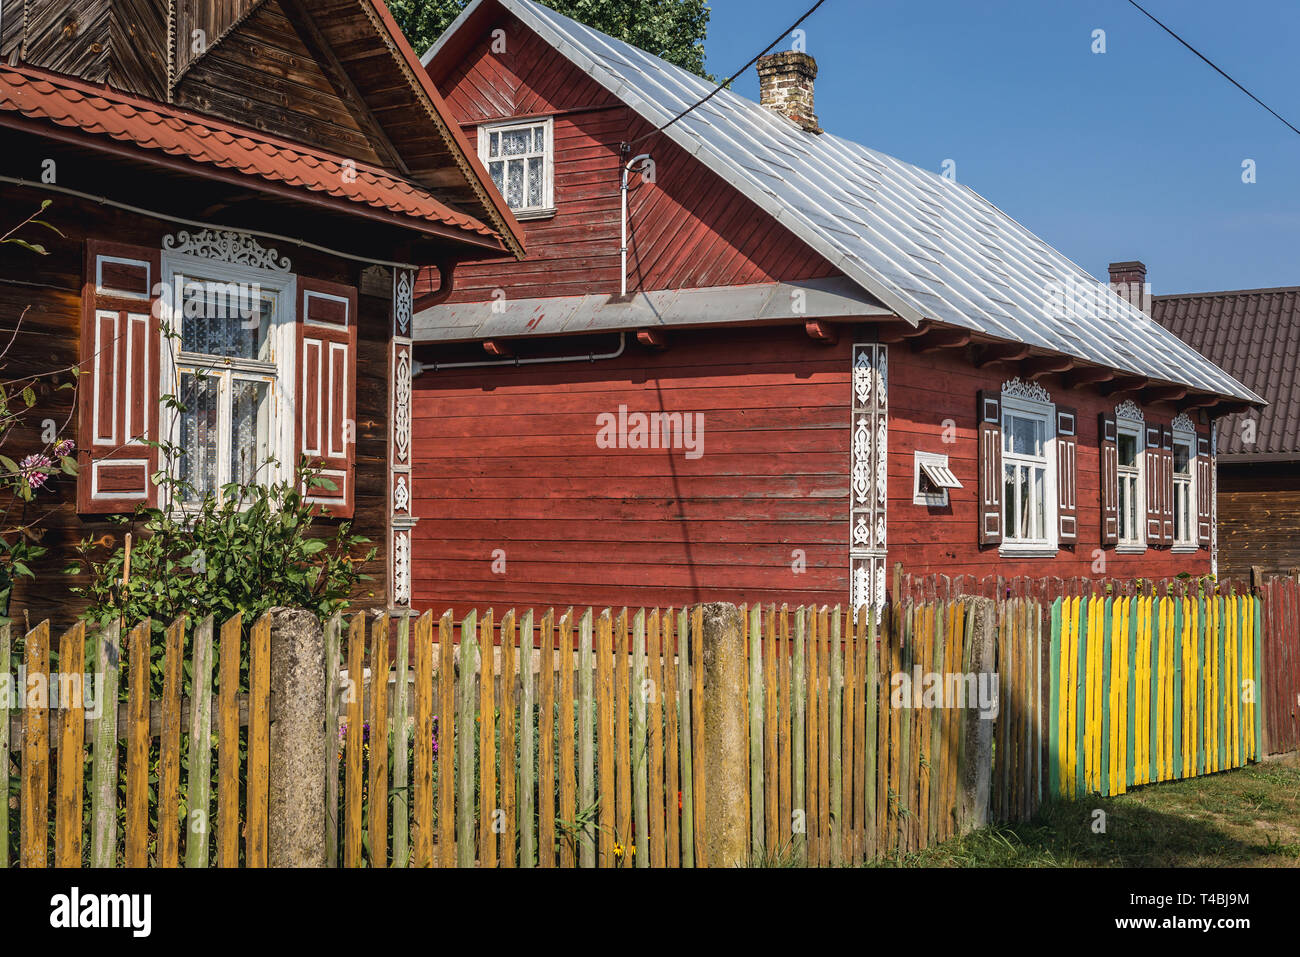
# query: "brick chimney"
[[1128, 280], [785, 83]]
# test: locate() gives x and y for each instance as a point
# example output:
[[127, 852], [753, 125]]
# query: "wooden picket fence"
[[560, 760], [1152, 687], [65, 736], [1280, 664], [574, 739]]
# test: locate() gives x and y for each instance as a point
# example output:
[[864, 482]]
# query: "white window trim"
[[282, 339], [937, 499], [548, 162], [1125, 425], [1192, 544], [1046, 411]]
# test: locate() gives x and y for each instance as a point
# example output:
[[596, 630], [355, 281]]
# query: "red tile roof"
[[204, 140], [1254, 335]]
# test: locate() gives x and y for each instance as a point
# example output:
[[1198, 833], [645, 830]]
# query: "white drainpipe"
[[622, 273]]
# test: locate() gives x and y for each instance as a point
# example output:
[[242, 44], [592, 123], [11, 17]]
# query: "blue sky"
[[1135, 153]]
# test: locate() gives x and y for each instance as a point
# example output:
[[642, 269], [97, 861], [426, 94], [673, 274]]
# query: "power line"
[[627, 147], [1214, 67]]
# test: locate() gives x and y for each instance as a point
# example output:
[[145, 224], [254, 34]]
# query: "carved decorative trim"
[[401, 567], [401, 495], [868, 473], [226, 245], [1128, 409], [1018, 388], [402, 405], [1183, 423], [402, 305]]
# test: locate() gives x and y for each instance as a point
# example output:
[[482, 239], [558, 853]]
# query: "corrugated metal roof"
[[1254, 334], [927, 247], [665, 308]]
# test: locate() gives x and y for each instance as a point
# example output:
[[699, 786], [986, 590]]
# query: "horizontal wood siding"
[[508, 460], [1259, 517], [49, 288], [688, 228], [927, 391]]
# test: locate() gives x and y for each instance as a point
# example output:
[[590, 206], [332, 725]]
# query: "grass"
[[1244, 818]]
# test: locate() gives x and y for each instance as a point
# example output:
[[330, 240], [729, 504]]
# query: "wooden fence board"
[[333, 724], [605, 737], [656, 849], [509, 758], [687, 738], [672, 784], [466, 729], [697, 731], [199, 759], [527, 746], [228, 758], [169, 746], [137, 747], [622, 737], [488, 806], [447, 740], [258, 793], [399, 734], [546, 744], [586, 747], [71, 765], [640, 751], [568, 776], [422, 758]]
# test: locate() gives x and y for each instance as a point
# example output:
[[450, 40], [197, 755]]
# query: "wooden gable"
[[272, 71]]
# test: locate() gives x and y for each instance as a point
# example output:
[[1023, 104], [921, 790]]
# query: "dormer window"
[[519, 158]]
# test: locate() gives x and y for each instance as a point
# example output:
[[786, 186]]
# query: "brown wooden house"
[[1255, 335], [262, 180], [747, 359]]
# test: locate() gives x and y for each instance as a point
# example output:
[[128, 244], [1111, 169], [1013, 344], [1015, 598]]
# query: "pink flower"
[[33, 469], [65, 447]]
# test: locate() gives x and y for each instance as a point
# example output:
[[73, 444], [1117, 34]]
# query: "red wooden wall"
[[507, 459], [689, 228], [927, 389]]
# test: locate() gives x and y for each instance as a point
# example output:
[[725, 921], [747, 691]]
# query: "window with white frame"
[[1129, 465], [1029, 496], [519, 158], [231, 346], [1184, 489]]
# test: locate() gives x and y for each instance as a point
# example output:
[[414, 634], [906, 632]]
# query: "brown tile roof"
[[206, 141], [1254, 335]]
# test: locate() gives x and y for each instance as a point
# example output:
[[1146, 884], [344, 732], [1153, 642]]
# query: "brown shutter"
[[1204, 489], [327, 390], [1067, 447], [1167, 485], [118, 386], [1108, 440], [1153, 472], [989, 419]]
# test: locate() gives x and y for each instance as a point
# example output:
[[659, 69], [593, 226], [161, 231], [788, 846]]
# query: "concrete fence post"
[[981, 630], [297, 812], [726, 829]]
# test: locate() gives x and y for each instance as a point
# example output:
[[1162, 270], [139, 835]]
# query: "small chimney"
[[785, 83], [1128, 280]]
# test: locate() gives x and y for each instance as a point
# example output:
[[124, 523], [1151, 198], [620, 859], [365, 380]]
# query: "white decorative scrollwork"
[[401, 495], [402, 567], [868, 470], [402, 405], [1183, 423], [226, 245], [402, 305], [1128, 409], [1025, 390]]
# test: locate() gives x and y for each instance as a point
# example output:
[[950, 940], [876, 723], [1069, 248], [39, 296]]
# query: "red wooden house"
[[245, 176], [746, 359]]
